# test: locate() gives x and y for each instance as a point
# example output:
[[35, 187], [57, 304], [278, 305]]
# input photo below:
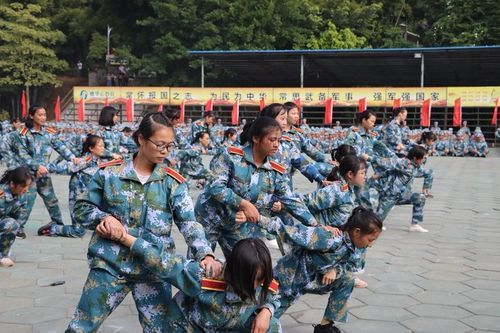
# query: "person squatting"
[[126, 190]]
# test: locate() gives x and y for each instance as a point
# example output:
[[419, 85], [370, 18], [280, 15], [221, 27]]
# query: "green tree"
[[26, 54]]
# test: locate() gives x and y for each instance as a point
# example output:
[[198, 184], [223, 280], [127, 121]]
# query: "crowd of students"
[[128, 186]]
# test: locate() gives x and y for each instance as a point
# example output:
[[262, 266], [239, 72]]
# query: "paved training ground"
[[445, 281]]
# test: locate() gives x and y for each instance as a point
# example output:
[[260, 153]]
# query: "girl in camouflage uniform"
[[145, 197], [13, 185]]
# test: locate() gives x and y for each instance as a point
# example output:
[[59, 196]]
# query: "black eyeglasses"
[[167, 146]]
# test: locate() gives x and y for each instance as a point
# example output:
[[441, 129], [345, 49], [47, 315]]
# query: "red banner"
[[57, 109], [425, 113], [235, 114], [81, 110], [457, 112], [495, 112], [328, 111], [362, 104]]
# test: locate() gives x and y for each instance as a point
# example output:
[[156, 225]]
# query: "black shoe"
[[328, 328], [20, 233], [45, 230]]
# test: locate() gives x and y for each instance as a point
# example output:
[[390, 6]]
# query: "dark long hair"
[[248, 257], [151, 122], [364, 219], [260, 127], [28, 122], [19, 176], [106, 116]]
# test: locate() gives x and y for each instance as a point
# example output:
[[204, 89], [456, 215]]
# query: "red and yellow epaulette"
[[355, 129], [286, 138], [298, 129], [116, 161], [236, 151], [212, 284], [51, 130], [175, 175], [274, 286], [345, 187], [88, 159], [373, 134], [277, 167], [23, 131]]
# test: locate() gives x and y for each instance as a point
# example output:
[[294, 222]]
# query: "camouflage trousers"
[[103, 292], [416, 199], [8, 230], [43, 186], [336, 310]]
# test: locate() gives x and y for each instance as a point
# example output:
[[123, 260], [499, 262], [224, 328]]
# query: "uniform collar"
[[128, 172], [247, 150], [7, 193], [347, 240]]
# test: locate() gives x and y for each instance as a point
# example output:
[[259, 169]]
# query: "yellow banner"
[[474, 96], [350, 96], [118, 95], [416, 96], [309, 97]]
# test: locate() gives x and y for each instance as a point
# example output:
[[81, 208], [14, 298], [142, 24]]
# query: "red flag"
[[457, 112], [495, 112], [160, 108], [57, 109], [23, 105], [235, 114], [262, 104], [106, 102], [129, 109], [425, 113], [328, 111], [209, 105], [396, 104], [81, 110], [362, 104], [183, 110]]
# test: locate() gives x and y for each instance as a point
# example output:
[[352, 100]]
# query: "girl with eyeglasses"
[[144, 197]]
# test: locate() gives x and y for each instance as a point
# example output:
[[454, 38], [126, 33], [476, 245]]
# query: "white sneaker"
[[6, 262], [272, 244], [417, 228], [358, 283]]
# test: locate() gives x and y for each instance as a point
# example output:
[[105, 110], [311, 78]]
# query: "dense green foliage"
[[155, 35]]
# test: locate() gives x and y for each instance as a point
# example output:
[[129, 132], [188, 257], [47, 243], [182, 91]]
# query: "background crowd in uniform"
[[128, 184]]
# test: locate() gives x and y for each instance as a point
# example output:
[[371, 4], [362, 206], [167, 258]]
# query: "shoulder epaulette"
[[51, 130], [88, 159], [236, 151], [355, 129], [274, 286], [23, 131], [175, 175], [286, 138], [110, 163], [298, 129], [277, 167], [212, 284], [345, 187]]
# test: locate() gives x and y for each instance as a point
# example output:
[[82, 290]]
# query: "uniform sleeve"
[[391, 135], [306, 237], [66, 167], [353, 139], [61, 148], [88, 209], [307, 169], [310, 150], [185, 220], [222, 169], [292, 202], [323, 198], [22, 143], [175, 269], [427, 174], [272, 303]]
